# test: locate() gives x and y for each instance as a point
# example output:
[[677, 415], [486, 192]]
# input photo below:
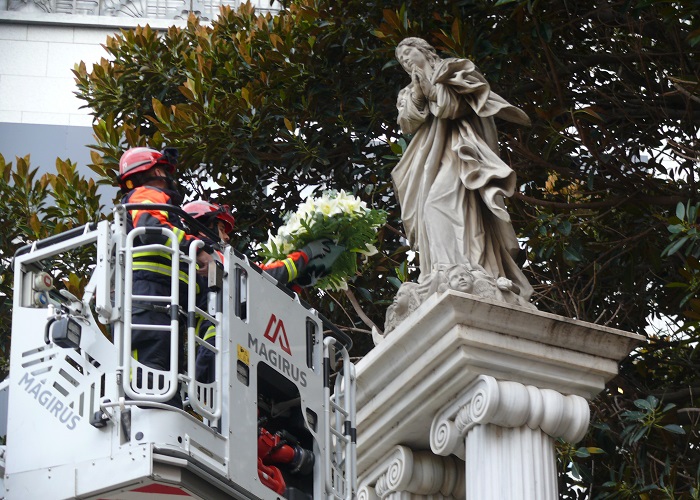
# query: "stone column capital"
[[507, 404], [419, 474]]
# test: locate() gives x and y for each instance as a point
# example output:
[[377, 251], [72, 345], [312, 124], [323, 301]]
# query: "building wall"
[[40, 43], [42, 40], [36, 82], [39, 114]]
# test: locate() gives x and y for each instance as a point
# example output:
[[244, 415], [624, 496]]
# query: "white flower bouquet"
[[338, 216]]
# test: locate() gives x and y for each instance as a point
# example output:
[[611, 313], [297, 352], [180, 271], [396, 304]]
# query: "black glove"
[[318, 248], [322, 254], [307, 279]]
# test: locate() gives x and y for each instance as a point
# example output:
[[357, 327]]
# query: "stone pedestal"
[[466, 397]]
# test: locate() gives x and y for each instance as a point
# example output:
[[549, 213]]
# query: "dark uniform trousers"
[[152, 347]]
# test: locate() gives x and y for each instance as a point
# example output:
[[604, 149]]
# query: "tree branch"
[[610, 202], [676, 396], [358, 309]]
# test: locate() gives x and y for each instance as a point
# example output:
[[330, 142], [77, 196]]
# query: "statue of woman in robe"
[[451, 182]]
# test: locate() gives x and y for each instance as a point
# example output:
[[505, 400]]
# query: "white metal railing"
[[144, 383], [140, 381], [339, 417], [205, 398], [110, 291]]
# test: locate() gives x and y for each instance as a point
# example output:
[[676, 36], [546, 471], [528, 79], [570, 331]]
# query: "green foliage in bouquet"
[[338, 216]]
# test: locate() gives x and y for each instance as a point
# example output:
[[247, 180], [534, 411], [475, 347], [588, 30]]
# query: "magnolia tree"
[[33, 208]]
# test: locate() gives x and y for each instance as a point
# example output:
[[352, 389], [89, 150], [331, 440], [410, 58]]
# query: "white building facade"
[[42, 40]]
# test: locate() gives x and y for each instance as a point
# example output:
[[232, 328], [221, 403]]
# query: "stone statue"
[[459, 277], [406, 301], [451, 182]]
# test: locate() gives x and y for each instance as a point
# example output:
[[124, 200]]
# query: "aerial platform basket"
[[80, 424]]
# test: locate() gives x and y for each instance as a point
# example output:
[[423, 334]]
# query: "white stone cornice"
[[87, 21], [507, 404], [597, 348], [439, 351], [404, 473]]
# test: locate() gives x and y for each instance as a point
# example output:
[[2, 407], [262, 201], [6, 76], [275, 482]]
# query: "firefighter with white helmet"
[[146, 177]]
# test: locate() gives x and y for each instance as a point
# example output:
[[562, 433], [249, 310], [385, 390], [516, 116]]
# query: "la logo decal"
[[279, 334]]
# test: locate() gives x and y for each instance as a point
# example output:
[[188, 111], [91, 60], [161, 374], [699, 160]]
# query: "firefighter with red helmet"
[[219, 219], [146, 177], [280, 449]]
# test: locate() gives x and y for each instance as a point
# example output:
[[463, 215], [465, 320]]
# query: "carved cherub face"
[[460, 279], [402, 300]]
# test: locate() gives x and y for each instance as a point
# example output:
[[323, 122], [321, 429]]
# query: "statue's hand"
[[421, 85], [418, 95], [415, 79]]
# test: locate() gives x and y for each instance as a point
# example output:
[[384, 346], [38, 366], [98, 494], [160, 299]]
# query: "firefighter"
[[321, 254], [217, 218], [316, 257], [146, 176]]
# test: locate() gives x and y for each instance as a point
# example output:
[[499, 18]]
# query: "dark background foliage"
[[267, 110]]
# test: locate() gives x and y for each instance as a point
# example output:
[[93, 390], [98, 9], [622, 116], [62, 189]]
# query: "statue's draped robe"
[[451, 182]]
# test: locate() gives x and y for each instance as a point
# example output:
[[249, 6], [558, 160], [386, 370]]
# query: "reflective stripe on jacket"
[[287, 270], [155, 261]]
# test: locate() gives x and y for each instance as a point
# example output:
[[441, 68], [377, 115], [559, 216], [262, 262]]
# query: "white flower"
[[370, 250], [336, 287], [293, 226], [343, 212], [329, 207], [280, 243], [307, 209], [350, 204]]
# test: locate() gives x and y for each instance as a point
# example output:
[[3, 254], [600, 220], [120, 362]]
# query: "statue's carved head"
[[421, 47]]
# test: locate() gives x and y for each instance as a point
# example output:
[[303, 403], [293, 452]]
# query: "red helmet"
[[136, 160], [206, 211]]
